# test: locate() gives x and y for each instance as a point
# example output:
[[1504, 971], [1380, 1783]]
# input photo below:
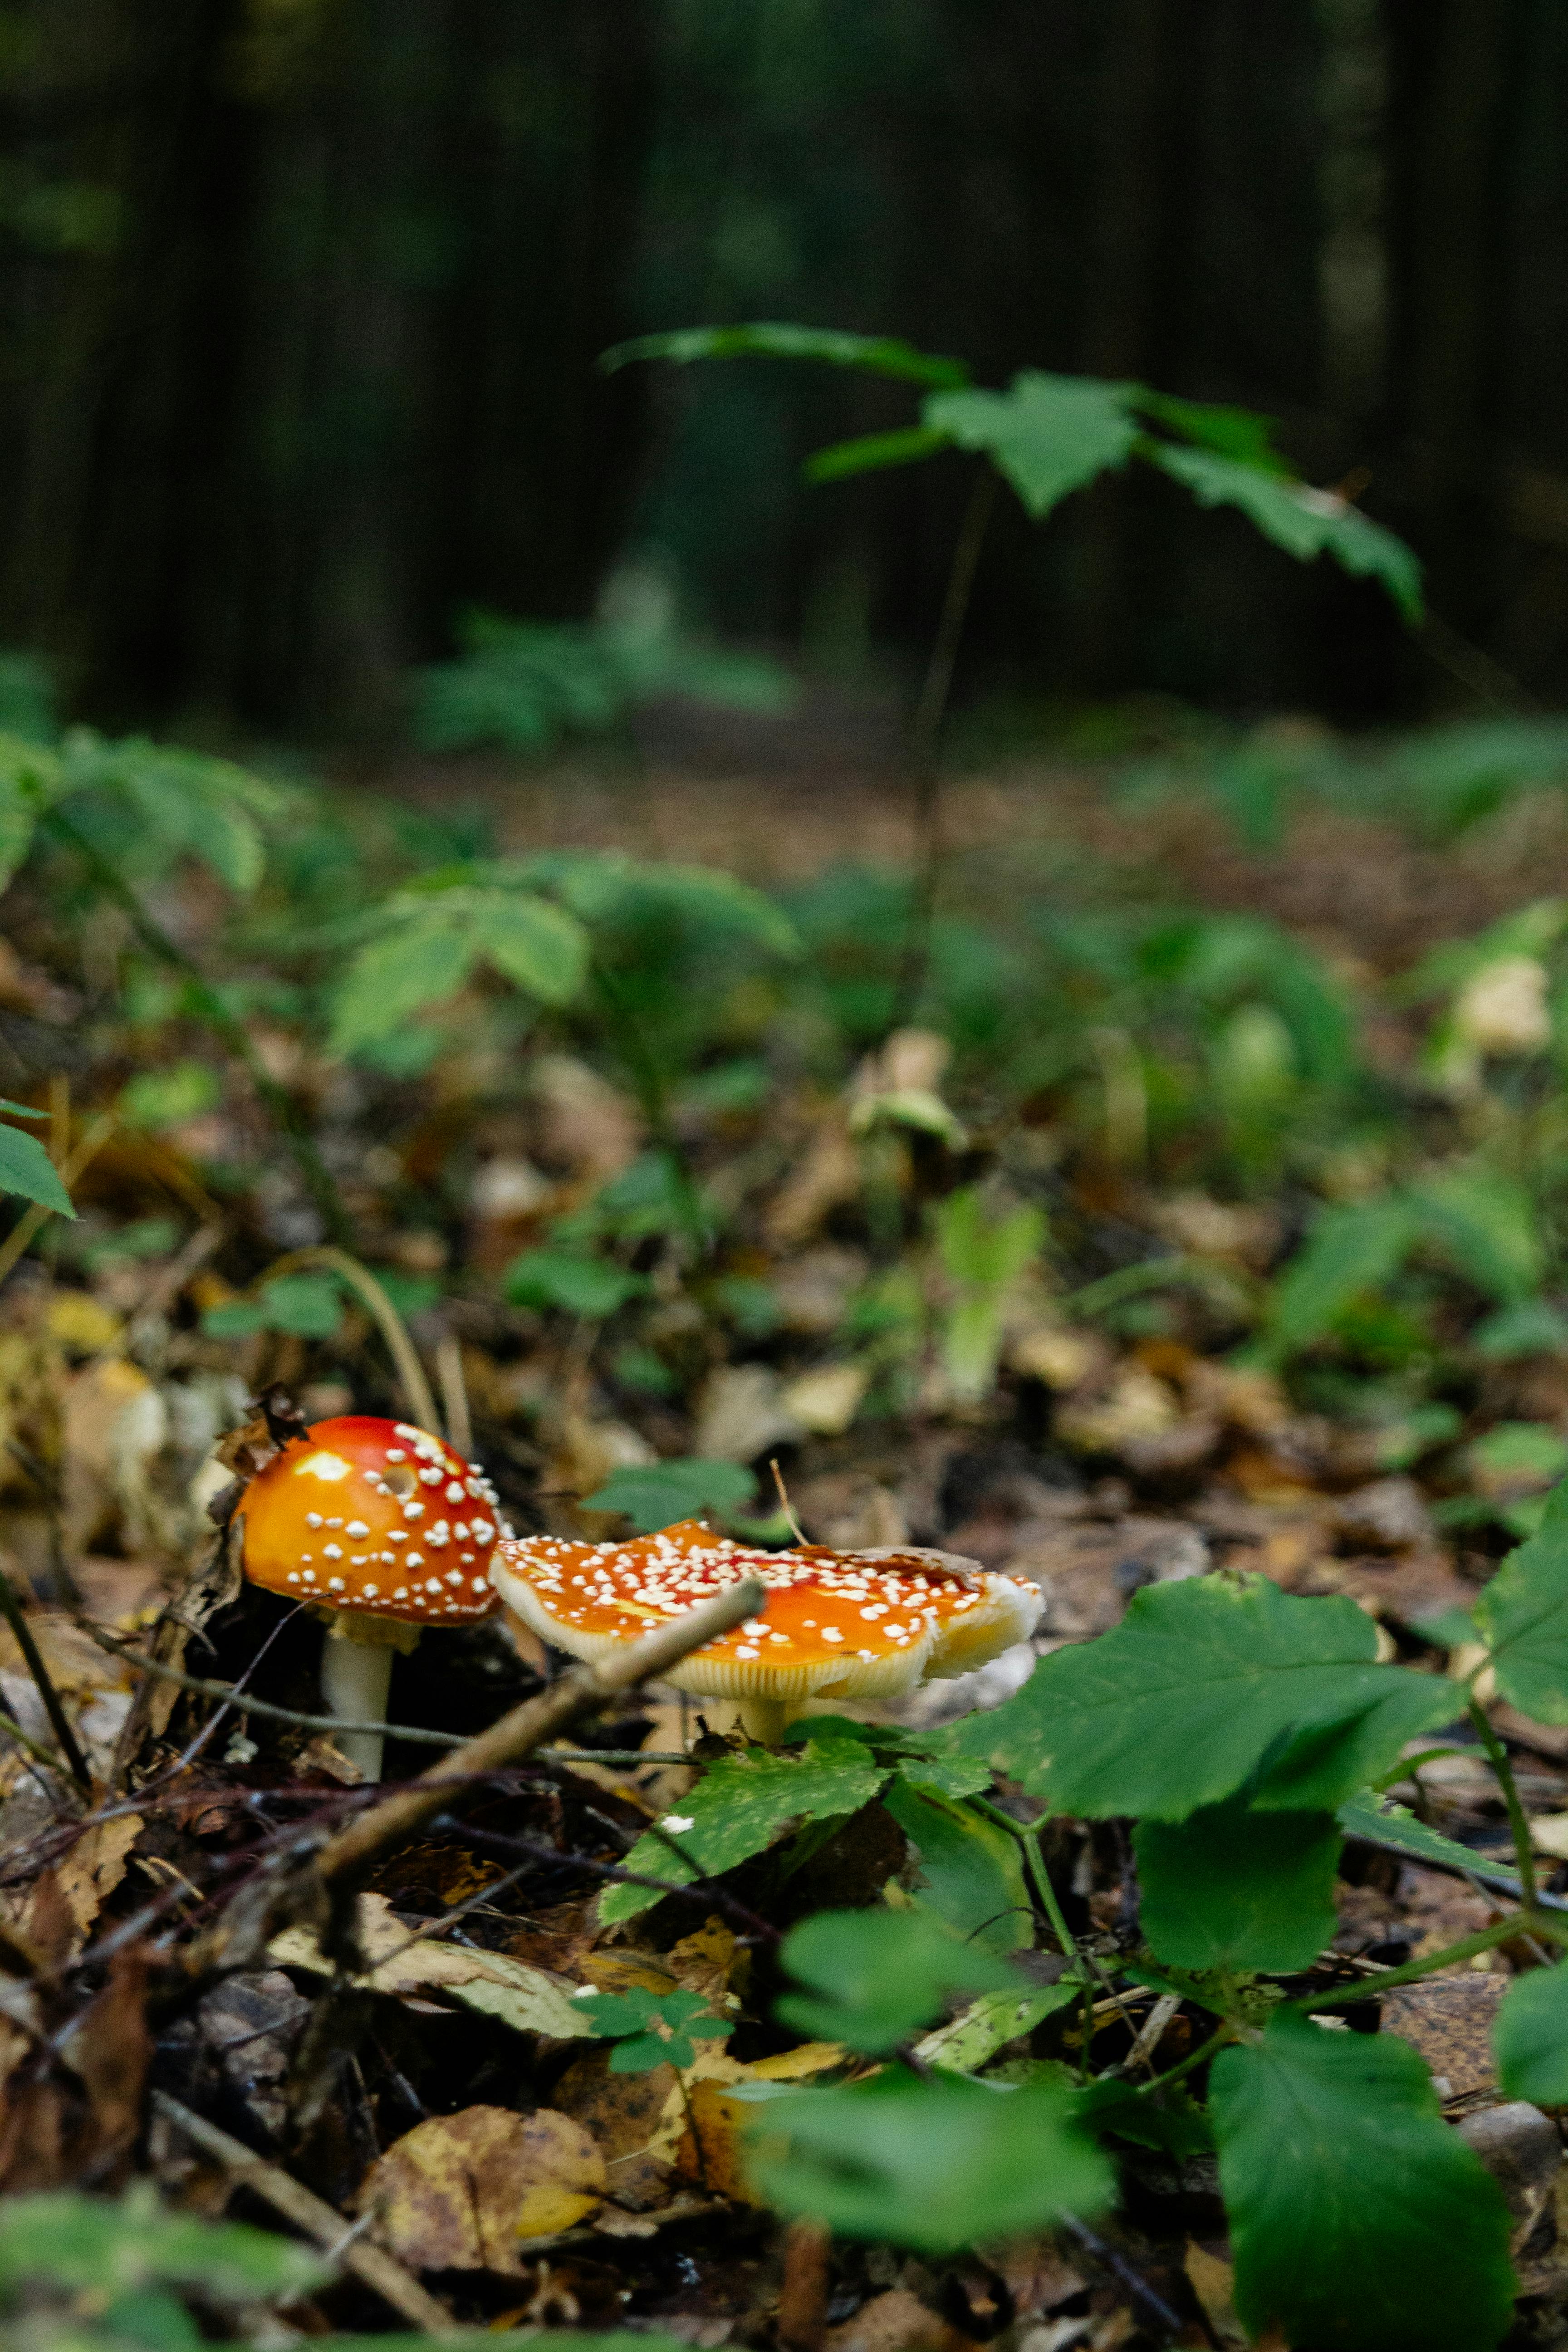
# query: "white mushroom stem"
[[356, 1676]]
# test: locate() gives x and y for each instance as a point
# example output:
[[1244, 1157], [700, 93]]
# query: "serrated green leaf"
[[1354, 1246], [1304, 522], [1530, 2035], [419, 964], [539, 946], [1358, 2219], [27, 1171], [971, 1874], [1204, 1682], [658, 1493], [1523, 1617], [1050, 435], [876, 1977], [934, 2164], [739, 1808], [1231, 1889], [1170, 2120], [878, 355]]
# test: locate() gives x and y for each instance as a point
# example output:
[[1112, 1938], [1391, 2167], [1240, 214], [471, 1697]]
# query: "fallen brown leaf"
[[461, 2191]]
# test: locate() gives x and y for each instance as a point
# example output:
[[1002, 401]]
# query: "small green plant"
[[652, 2028]]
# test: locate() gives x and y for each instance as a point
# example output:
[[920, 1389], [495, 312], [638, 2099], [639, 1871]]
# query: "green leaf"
[[739, 1808], [1490, 1229], [878, 355], [1533, 1328], [1170, 2120], [934, 2164], [971, 1873], [1523, 1616], [1358, 2219], [1206, 1679], [1231, 1889], [1530, 2037], [652, 2028], [872, 451], [160, 1099], [27, 1170], [93, 2246], [539, 946], [1365, 1817], [977, 2034], [658, 1493], [589, 1287], [876, 1977], [1304, 522], [1049, 434], [1354, 1246], [1239, 433], [419, 963]]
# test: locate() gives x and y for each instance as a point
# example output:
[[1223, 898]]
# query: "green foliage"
[[875, 1977], [92, 2246], [433, 937], [657, 1493], [573, 1285], [1523, 1616], [1358, 2219], [970, 1872], [25, 1168], [1395, 1825], [738, 1808], [933, 2164], [160, 1099], [982, 1258], [307, 1305], [1231, 1889], [652, 2028], [1048, 436], [1530, 2037], [1206, 1683], [526, 685]]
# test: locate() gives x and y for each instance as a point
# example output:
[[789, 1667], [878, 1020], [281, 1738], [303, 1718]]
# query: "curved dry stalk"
[[417, 1391]]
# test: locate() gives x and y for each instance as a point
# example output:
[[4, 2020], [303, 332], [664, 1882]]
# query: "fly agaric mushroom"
[[382, 1526], [839, 1625]]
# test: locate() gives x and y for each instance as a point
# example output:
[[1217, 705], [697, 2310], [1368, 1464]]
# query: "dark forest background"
[[302, 298]]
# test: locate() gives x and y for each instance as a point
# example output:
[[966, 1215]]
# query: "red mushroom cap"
[[376, 1517], [861, 1624]]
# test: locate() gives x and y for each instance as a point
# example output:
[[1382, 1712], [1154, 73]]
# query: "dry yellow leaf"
[[461, 2192], [88, 1875], [528, 1999]]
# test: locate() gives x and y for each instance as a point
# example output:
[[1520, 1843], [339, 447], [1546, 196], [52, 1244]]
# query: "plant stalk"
[[417, 1394], [11, 1610], [1518, 1820]]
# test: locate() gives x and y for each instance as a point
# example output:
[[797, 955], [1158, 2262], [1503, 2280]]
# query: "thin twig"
[[370, 2263], [1518, 1820], [925, 736], [527, 1727], [10, 1609], [454, 1393]]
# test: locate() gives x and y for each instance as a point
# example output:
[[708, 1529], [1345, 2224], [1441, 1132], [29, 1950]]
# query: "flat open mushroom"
[[839, 1625], [384, 1528]]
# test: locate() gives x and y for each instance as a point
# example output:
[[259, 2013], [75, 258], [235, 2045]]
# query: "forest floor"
[[1105, 1457]]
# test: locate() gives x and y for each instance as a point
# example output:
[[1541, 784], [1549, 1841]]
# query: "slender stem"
[[355, 1679], [410, 1372], [1223, 2033], [925, 735], [1028, 1838], [1518, 1820], [1501, 1931], [454, 1393], [210, 1008], [10, 1609]]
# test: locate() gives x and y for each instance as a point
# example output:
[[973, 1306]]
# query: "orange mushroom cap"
[[376, 1517], [860, 1624]]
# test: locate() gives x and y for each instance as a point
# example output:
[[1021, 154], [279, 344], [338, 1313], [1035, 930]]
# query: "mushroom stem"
[[766, 1721], [355, 1679]]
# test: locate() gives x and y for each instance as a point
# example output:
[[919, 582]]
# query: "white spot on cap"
[[429, 1477], [369, 1591], [328, 1467], [312, 1519], [481, 1531], [454, 1491], [395, 1453], [357, 1529], [481, 1584], [413, 1559], [332, 1551], [334, 1584], [433, 1584], [397, 1535], [292, 1578], [414, 1511]]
